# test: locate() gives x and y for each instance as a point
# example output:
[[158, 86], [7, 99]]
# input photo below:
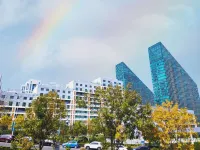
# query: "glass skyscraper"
[[124, 74], [171, 81]]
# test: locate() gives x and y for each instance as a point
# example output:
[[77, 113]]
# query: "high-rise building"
[[171, 81], [124, 74]]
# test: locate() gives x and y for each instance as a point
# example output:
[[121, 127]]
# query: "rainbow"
[[43, 31]]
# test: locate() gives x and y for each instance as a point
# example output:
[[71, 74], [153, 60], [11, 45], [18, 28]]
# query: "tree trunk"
[[111, 141], [41, 145]]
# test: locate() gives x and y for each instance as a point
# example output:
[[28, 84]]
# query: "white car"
[[121, 147], [93, 145]]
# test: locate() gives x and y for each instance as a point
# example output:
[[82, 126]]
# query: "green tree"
[[78, 128], [120, 107], [43, 119]]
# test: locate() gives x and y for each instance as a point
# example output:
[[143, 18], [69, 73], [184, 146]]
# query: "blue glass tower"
[[171, 81], [124, 74]]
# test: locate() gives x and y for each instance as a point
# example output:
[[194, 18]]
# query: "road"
[[44, 148]]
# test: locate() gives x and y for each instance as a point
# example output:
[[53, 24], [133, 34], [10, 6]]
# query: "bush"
[[82, 148], [197, 145]]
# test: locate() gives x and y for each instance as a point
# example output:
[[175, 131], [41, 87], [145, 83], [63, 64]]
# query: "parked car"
[[93, 145], [71, 144], [142, 148], [6, 138], [48, 143], [121, 147]]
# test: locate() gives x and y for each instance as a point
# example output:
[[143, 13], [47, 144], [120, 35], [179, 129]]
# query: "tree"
[[120, 109], [5, 122], [43, 119], [78, 128], [173, 126]]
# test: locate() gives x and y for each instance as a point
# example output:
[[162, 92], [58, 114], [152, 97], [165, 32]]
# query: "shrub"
[[197, 145], [82, 148]]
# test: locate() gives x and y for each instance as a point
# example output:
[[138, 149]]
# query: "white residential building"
[[15, 102]]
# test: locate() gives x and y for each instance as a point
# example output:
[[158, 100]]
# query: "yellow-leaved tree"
[[175, 126]]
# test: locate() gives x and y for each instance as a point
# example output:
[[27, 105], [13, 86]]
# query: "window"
[[85, 85], [76, 89], [58, 91], [80, 89], [29, 105], [108, 81], [42, 89], [90, 86], [17, 103], [114, 82], [47, 90], [95, 87], [104, 80], [41, 94], [80, 84], [86, 90], [69, 92], [10, 103], [11, 97], [76, 84], [3, 96], [24, 104], [90, 91], [25, 98], [104, 84], [53, 90], [63, 91], [17, 97], [69, 97], [63, 96], [31, 98]]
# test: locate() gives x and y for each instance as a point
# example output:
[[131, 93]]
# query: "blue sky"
[[94, 36]]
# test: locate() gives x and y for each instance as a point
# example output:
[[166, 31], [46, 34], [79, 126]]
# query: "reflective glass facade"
[[171, 81], [124, 74]]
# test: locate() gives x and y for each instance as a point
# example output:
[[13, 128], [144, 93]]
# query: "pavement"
[[44, 148]]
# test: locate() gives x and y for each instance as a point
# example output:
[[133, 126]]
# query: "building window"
[[41, 94], [85, 85], [90, 91], [90, 86], [114, 82], [80, 89], [76, 84], [17, 97], [10, 103], [53, 90], [76, 89], [24, 104], [86, 90], [47, 90], [63, 96], [42, 89], [17, 103], [108, 81], [69, 92], [69, 97], [95, 87], [104, 80], [80, 84], [11, 97], [63, 91], [29, 105], [31, 98], [3, 96], [104, 84]]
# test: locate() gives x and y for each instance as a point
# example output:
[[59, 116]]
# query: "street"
[[44, 148]]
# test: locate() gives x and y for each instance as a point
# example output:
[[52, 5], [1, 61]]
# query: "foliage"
[[196, 145], [173, 125], [78, 128], [5, 122], [119, 113], [42, 120]]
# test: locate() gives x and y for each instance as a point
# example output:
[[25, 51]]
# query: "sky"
[[64, 40]]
